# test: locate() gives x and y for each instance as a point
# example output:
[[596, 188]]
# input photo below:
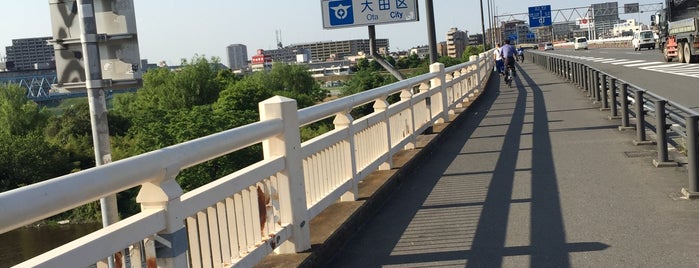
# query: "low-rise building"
[[30, 54], [261, 62]]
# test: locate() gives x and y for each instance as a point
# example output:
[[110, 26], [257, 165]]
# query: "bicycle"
[[510, 73]]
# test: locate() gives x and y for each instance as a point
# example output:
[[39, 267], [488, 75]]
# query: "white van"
[[580, 43], [643, 39]]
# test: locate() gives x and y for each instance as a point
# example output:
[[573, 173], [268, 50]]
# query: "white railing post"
[[458, 88], [449, 89], [380, 106], [344, 121], [407, 95], [439, 84], [170, 244], [292, 187], [479, 69]]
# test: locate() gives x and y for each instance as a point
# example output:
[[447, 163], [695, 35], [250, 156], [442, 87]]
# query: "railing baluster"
[[661, 132], [640, 120], [613, 95], [624, 107], [605, 93], [693, 191]]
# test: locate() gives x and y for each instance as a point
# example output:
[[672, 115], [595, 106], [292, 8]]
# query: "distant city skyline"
[[173, 30]]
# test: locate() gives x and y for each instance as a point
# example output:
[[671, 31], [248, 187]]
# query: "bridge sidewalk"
[[529, 176]]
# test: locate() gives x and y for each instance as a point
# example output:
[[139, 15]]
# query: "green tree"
[[369, 64], [18, 114], [197, 83], [470, 51], [449, 61], [28, 158], [365, 80], [73, 132], [296, 80], [391, 60], [244, 95], [25, 155]]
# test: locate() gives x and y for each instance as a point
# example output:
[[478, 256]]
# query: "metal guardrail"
[[625, 100], [238, 219]]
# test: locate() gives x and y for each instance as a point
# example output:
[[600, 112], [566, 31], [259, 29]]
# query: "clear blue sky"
[[175, 29]]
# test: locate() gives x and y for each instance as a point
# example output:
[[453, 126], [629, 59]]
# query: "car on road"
[[643, 39], [548, 46], [580, 43]]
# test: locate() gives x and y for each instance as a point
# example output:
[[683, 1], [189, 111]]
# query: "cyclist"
[[508, 54], [520, 54]]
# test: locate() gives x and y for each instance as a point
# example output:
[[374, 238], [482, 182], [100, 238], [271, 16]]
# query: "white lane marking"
[[627, 62], [642, 64], [681, 69], [614, 61]]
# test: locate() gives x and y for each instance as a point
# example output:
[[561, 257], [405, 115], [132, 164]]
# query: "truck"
[[678, 29]]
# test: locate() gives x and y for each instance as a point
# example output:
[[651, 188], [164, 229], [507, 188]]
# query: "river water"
[[24, 243]]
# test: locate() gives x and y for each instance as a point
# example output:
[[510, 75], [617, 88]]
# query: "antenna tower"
[[279, 38]]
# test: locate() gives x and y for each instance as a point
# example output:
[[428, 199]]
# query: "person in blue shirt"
[[520, 54], [508, 54]]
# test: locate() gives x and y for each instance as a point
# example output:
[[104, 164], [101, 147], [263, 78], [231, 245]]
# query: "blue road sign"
[[341, 12], [512, 37], [531, 35], [350, 13], [539, 16]]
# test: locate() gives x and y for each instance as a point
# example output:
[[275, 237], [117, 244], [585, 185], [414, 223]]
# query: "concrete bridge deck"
[[529, 176]]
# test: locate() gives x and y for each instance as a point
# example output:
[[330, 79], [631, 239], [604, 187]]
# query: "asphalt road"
[[679, 82]]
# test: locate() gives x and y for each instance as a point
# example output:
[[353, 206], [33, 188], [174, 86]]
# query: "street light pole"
[[482, 25], [432, 38], [490, 26]]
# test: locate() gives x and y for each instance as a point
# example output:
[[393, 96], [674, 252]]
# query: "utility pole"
[[482, 25], [432, 38], [490, 25]]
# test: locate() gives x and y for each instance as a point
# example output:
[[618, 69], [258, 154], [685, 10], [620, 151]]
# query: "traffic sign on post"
[[539, 16], [116, 37], [350, 13]]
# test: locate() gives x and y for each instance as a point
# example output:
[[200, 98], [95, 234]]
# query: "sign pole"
[[373, 54], [97, 103]]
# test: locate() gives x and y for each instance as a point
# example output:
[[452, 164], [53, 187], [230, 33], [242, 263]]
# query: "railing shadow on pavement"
[[547, 233], [407, 213], [437, 197]]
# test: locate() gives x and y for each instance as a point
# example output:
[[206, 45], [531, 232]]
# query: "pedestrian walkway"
[[532, 176]]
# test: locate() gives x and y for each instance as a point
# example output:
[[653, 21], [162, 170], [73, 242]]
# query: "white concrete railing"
[[240, 218]]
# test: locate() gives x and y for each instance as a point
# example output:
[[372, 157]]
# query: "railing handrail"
[[161, 196], [47, 198]]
